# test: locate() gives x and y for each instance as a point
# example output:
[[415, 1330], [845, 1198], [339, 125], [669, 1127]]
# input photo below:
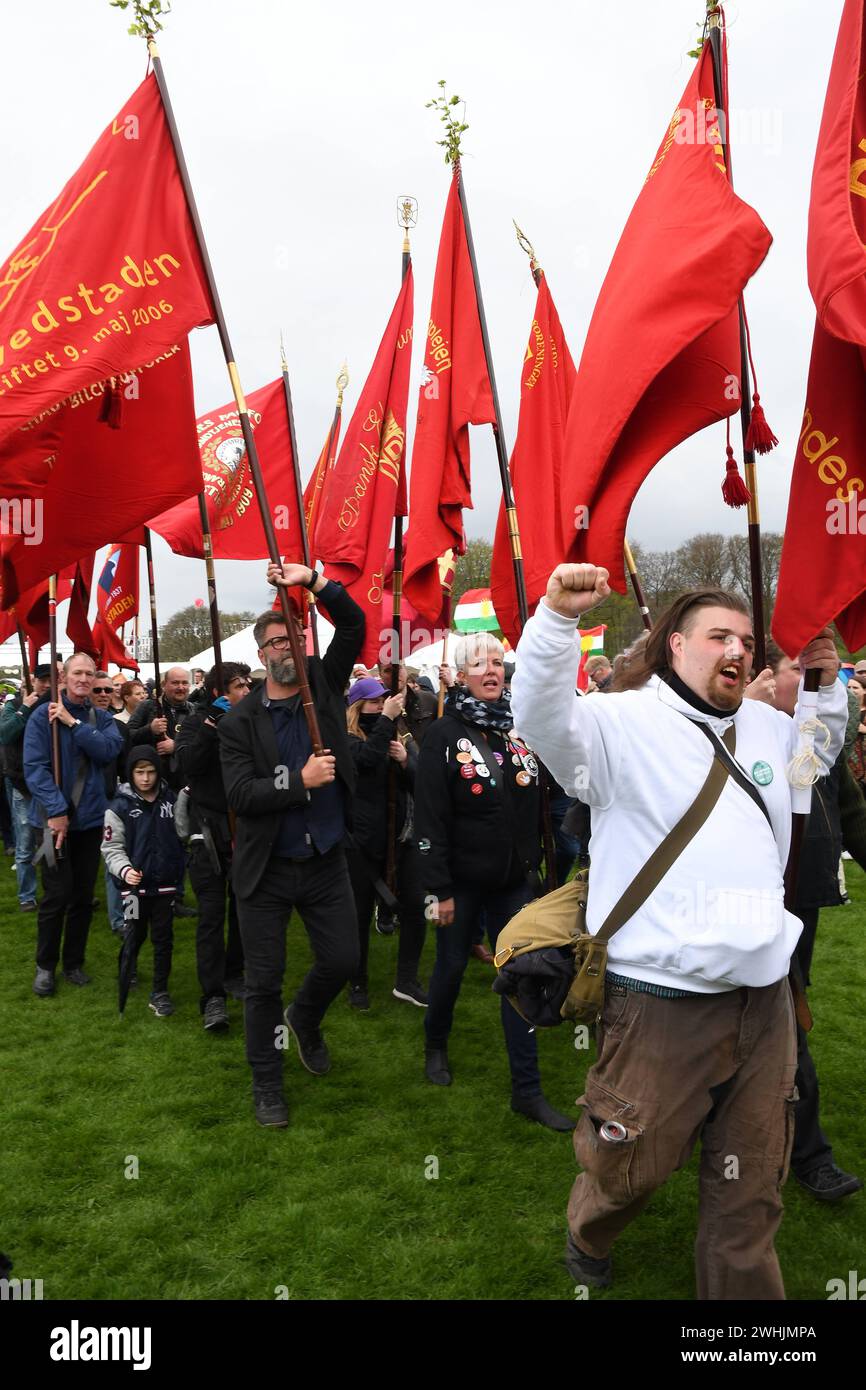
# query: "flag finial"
[[407, 216], [526, 245], [342, 383]]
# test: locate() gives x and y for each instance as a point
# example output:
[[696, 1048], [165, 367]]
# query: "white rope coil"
[[804, 769]]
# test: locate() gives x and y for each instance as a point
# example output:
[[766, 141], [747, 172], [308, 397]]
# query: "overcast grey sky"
[[302, 125]]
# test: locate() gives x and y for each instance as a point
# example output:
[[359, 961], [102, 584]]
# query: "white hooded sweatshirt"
[[716, 921]]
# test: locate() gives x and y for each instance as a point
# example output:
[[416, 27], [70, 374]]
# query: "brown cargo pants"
[[718, 1066]]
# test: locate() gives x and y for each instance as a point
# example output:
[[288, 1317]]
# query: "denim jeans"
[[114, 902], [453, 945], [24, 843]]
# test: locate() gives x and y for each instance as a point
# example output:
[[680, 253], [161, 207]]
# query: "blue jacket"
[[99, 744], [141, 833]]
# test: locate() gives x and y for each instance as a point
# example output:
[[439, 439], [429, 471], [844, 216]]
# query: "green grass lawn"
[[338, 1205]]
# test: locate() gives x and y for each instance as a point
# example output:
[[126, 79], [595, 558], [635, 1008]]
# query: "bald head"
[[176, 684]]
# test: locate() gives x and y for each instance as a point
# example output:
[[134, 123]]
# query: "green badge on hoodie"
[[762, 773]]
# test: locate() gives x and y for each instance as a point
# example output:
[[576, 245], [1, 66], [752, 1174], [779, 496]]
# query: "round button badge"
[[464, 745], [477, 788], [467, 771], [482, 770], [762, 773], [523, 779], [464, 757]]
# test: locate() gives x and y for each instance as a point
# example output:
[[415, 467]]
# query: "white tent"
[[241, 646]]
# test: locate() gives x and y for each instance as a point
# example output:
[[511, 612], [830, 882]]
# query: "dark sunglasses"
[[103, 690]]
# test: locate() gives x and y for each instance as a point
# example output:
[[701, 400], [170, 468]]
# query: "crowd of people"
[[408, 820]]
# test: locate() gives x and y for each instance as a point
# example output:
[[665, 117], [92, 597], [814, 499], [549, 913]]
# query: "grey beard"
[[282, 670]]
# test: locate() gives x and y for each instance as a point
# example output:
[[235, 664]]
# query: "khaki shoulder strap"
[[672, 846]]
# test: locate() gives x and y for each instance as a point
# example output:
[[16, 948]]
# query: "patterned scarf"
[[485, 714]]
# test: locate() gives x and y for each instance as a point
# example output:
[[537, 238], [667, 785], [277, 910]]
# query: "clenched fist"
[[574, 589]]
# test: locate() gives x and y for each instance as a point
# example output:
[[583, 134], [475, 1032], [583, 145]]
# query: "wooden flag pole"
[[154, 629], [754, 521], [25, 664], [636, 585], [298, 654], [213, 609], [55, 694], [299, 491]]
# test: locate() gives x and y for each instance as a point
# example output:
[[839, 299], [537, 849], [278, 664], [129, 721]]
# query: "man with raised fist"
[[697, 1034]]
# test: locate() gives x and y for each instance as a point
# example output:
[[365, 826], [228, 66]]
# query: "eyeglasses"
[[279, 644], [103, 690]]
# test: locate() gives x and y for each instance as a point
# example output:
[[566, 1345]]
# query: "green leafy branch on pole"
[[148, 14], [454, 128]]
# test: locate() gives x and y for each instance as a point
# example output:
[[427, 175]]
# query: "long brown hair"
[[652, 656]]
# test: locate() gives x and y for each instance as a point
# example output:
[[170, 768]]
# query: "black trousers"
[[320, 890], [216, 960], [410, 892], [811, 1146], [67, 901], [155, 915]]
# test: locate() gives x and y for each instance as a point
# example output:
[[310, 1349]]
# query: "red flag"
[[117, 593], [77, 626], [822, 576], [108, 278], [364, 487], [32, 610], [110, 648], [456, 393], [546, 384], [415, 629], [236, 524], [316, 490], [101, 481], [662, 356]]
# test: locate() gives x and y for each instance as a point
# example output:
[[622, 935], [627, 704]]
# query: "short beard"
[[282, 672]]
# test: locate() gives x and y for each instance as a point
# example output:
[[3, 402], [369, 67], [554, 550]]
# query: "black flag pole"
[[154, 628], [714, 32], [25, 664], [298, 654], [299, 491], [637, 586], [210, 572]]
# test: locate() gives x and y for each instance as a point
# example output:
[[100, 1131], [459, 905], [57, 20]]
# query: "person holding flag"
[[691, 826]]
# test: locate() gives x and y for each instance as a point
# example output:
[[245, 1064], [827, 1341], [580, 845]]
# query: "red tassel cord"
[[759, 437], [734, 490]]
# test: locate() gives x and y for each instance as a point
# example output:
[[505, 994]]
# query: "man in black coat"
[[219, 963], [291, 817]]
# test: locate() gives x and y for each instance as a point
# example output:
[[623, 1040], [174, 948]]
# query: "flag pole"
[[299, 491], [25, 664], [154, 632], [754, 522], [207, 548], [55, 694], [637, 586], [298, 654], [408, 217]]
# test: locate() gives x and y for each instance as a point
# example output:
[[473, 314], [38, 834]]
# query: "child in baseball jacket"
[[142, 851]]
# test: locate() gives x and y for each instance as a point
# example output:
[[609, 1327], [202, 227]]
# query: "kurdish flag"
[[591, 642], [475, 612]]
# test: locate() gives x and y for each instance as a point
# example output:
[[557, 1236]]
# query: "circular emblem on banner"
[[464, 757], [477, 788], [467, 770], [464, 745], [523, 779], [762, 773]]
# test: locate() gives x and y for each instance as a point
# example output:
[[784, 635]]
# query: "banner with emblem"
[[366, 485], [825, 531], [226, 480], [662, 353], [546, 385], [455, 394], [117, 595]]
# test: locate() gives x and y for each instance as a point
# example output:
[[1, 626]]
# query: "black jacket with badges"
[[250, 756], [140, 834], [471, 827], [370, 806]]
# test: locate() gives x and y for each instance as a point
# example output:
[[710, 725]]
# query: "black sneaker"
[[359, 998], [216, 1015], [44, 984], [312, 1048], [161, 1005], [28, 906], [828, 1183], [586, 1270], [436, 1067], [538, 1108], [76, 977], [271, 1110], [411, 992]]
